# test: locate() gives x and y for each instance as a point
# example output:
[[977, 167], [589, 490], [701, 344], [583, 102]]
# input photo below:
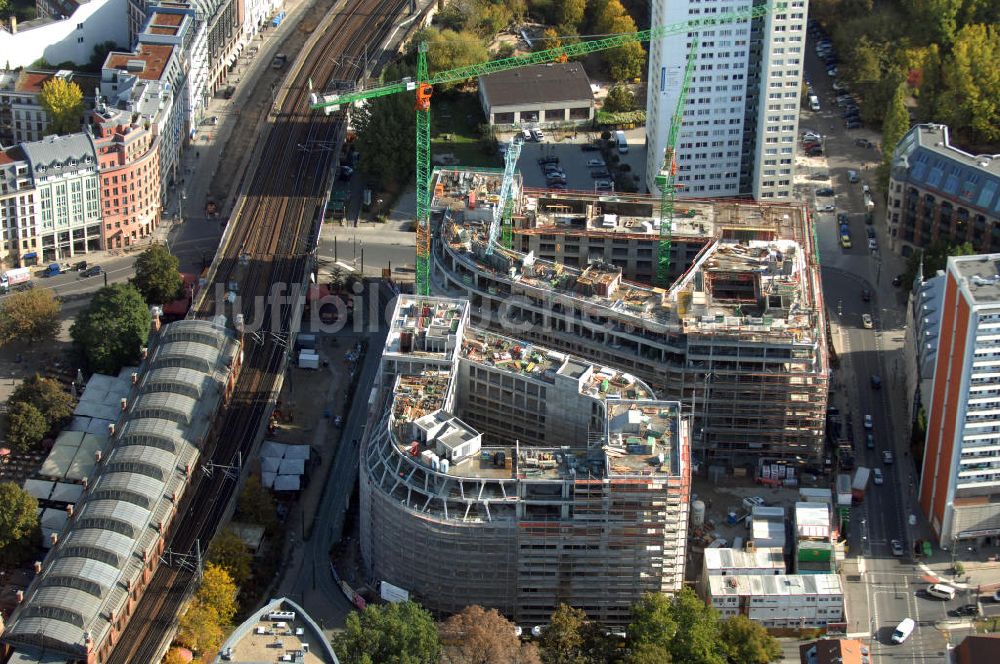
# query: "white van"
[[941, 591], [621, 141], [903, 630], [813, 102]]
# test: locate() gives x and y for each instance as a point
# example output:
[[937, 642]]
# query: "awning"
[[31, 254]]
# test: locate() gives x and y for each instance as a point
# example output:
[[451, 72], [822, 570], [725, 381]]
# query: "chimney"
[[135, 378], [38, 567], [97, 456], [111, 429], [144, 352], [54, 538], [20, 596], [69, 510], [124, 404]]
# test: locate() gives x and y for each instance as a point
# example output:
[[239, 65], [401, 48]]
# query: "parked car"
[[853, 176], [537, 135], [877, 477], [812, 136], [600, 174], [557, 185], [80, 266], [92, 271], [870, 231], [825, 191], [809, 145], [549, 159], [966, 610], [887, 457], [863, 143], [870, 440], [872, 244], [814, 152], [595, 163], [832, 71], [839, 87], [868, 421], [867, 323], [852, 124], [604, 185], [897, 547], [897, 281], [555, 180], [589, 147], [346, 172], [828, 208], [819, 176], [843, 218]]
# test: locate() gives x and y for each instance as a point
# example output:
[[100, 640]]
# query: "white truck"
[[860, 483], [11, 278]]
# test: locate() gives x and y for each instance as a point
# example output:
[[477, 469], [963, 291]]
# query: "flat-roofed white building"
[[785, 601]]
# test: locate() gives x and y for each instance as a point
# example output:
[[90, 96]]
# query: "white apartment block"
[[785, 601], [741, 117], [51, 210], [71, 38], [960, 482]]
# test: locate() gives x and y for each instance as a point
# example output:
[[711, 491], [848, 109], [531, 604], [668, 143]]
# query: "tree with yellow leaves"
[[63, 101]]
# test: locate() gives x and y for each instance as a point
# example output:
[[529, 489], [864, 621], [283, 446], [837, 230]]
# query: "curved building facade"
[[740, 336], [500, 473]]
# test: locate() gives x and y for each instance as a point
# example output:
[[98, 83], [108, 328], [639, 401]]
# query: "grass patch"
[[457, 128]]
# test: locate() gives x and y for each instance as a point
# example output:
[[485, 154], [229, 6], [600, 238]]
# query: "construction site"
[[738, 337], [501, 473]]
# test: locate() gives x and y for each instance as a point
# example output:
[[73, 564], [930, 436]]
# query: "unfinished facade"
[[499, 473], [739, 337]]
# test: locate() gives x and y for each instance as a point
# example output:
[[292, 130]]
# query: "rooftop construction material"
[[498, 448], [740, 335]]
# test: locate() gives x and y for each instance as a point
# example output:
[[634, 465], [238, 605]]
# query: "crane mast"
[[506, 196], [666, 179]]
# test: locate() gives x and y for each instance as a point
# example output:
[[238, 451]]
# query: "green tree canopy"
[[386, 130], [479, 636], [896, 123], [48, 396], [619, 100], [157, 275], [110, 333], [256, 504], [18, 520], [653, 623], [971, 102], [100, 54], [697, 638], [934, 257], [26, 426], [571, 638], [229, 551], [30, 316], [447, 49], [63, 101], [747, 642], [401, 633]]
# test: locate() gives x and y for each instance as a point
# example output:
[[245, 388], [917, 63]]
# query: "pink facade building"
[[128, 155]]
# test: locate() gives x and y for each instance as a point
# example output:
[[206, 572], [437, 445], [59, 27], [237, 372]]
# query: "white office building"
[[741, 118], [784, 601]]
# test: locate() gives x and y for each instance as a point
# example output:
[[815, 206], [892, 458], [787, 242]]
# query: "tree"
[[218, 591], [747, 642], [400, 633], [229, 552], [26, 426], [934, 258], [619, 100], [30, 316], [626, 62], [157, 275], [562, 640], [447, 49], [200, 628], [175, 656], [111, 331], [570, 13], [696, 640], [896, 124], [479, 636], [63, 101], [972, 99], [385, 128], [48, 396], [100, 54], [653, 625], [18, 520], [256, 504], [648, 653]]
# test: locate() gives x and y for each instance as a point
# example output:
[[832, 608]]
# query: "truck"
[[11, 278], [52, 270], [621, 142], [860, 483]]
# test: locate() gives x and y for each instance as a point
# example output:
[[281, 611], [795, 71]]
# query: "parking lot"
[[579, 166]]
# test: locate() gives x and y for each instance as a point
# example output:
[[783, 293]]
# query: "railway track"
[[273, 228]]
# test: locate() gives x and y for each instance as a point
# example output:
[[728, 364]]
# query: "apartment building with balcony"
[[740, 120], [960, 479], [127, 146], [938, 191], [497, 472], [22, 117], [17, 206], [739, 337]]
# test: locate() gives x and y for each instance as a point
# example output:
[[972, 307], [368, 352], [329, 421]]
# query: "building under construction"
[[739, 336], [500, 473]]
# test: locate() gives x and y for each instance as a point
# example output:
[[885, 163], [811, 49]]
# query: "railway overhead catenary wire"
[[273, 227]]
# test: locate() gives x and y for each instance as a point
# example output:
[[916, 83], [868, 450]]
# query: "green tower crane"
[[423, 89], [666, 179]]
